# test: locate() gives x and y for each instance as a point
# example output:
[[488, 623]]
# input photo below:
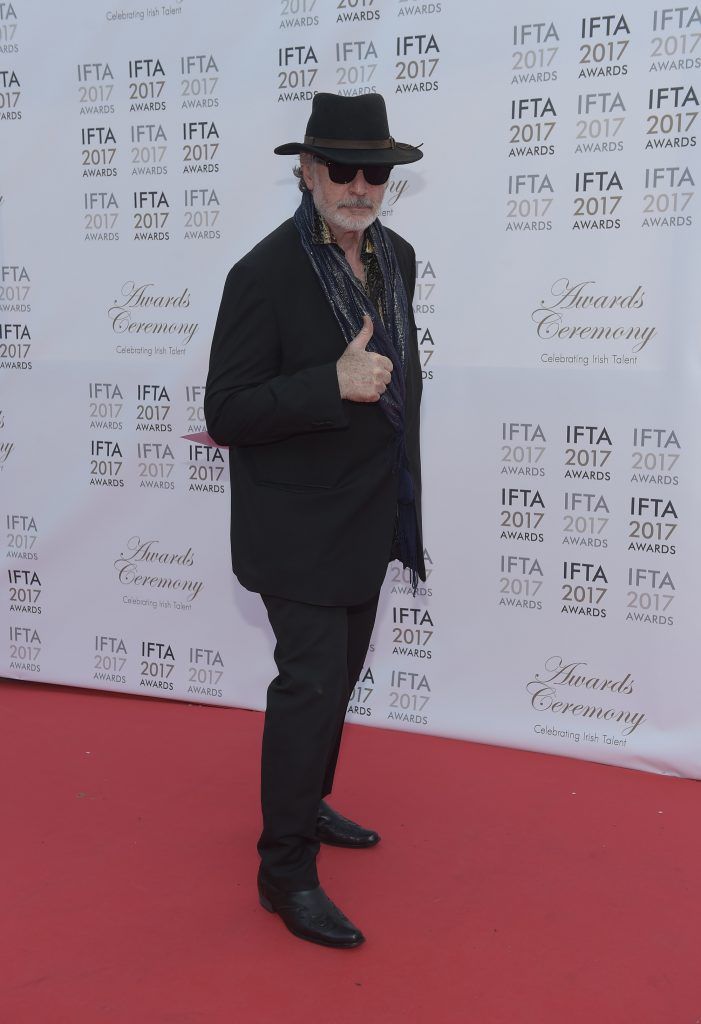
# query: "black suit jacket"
[[313, 493]]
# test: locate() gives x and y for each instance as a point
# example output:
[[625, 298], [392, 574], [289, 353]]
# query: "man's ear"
[[305, 162]]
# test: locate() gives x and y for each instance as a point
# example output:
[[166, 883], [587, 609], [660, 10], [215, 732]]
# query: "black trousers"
[[319, 654]]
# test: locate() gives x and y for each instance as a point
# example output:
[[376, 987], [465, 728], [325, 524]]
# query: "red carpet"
[[509, 887]]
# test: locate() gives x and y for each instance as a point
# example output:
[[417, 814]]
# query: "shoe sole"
[[267, 905], [348, 846]]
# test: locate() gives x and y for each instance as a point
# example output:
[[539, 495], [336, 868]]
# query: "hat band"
[[313, 140]]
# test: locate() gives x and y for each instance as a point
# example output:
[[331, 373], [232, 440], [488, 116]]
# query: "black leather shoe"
[[334, 829], [310, 915]]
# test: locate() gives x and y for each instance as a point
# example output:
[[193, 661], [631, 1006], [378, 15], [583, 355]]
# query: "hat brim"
[[399, 154]]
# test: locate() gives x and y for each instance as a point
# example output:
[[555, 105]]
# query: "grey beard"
[[334, 216]]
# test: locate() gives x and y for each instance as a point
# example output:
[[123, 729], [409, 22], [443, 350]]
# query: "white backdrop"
[[556, 229]]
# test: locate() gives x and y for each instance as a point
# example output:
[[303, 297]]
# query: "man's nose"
[[359, 185]]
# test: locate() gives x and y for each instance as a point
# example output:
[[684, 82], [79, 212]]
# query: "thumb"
[[364, 334]]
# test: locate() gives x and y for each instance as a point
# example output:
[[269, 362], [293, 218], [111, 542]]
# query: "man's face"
[[351, 207]]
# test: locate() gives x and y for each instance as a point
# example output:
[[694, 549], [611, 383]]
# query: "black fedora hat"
[[351, 130]]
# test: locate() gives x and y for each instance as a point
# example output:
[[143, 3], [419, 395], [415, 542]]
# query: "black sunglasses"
[[343, 174]]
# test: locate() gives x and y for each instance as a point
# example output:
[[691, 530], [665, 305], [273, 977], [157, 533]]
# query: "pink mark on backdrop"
[[203, 438]]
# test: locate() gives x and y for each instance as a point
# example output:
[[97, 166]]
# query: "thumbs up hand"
[[363, 376]]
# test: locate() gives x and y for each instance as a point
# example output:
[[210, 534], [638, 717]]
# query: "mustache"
[[355, 204]]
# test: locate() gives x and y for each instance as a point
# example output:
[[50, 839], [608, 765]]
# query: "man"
[[314, 383]]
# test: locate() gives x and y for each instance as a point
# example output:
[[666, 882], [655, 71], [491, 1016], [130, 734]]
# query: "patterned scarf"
[[349, 302]]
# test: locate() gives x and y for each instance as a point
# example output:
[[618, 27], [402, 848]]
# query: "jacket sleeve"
[[247, 400], [411, 275]]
